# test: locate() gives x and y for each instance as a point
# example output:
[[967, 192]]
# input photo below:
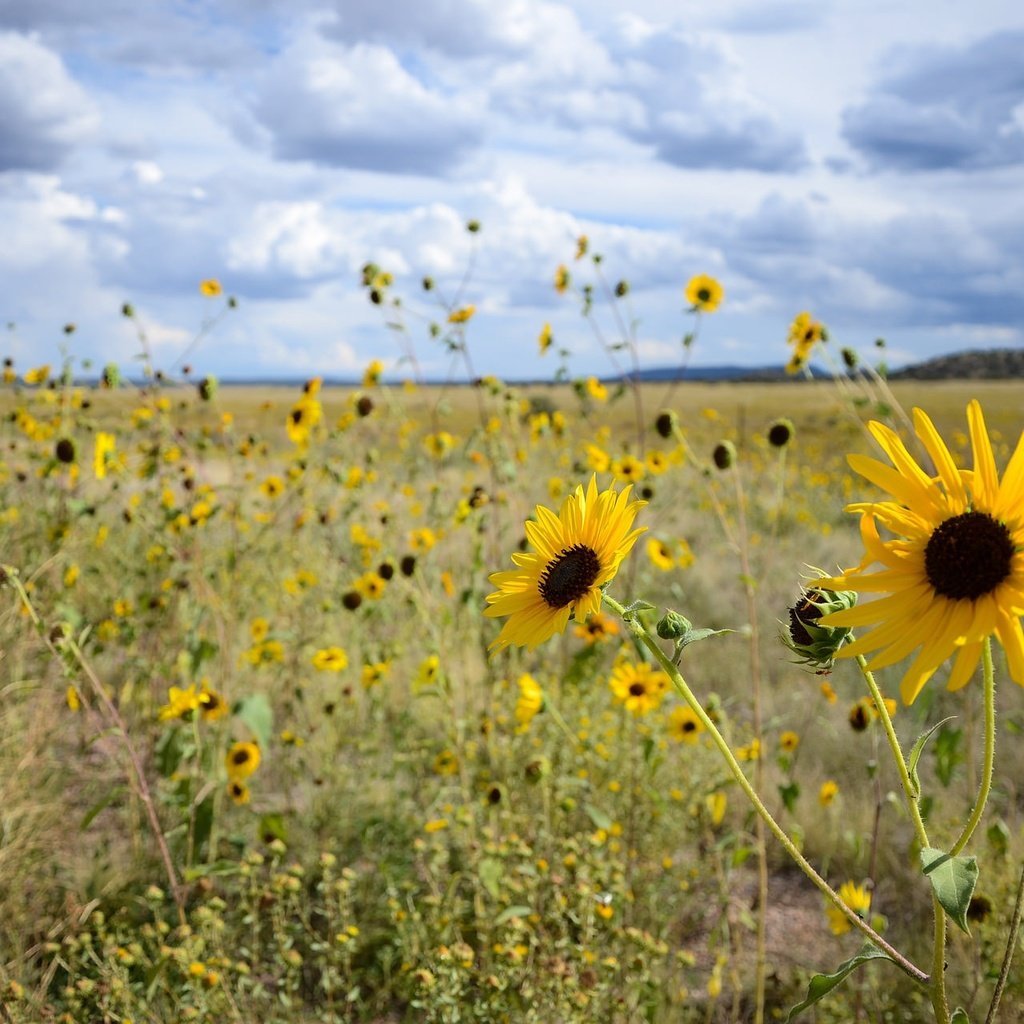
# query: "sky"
[[859, 159]]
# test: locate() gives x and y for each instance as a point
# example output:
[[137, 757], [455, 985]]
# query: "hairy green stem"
[[641, 633], [1011, 945], [990, 749]]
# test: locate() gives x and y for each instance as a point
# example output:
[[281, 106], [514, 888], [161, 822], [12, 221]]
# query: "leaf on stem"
[[821, 984], [953, 880]]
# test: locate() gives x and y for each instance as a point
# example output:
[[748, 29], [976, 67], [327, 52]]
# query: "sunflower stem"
[[639, 630], [909, 789], [990, 749]]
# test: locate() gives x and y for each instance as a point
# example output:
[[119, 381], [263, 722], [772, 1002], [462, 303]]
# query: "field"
[[257, 761]]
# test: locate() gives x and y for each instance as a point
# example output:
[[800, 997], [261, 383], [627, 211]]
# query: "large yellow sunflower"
[[954, 570], [575, 554]]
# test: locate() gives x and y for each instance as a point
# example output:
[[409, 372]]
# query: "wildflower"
[[562, 279], [211, 288], [638, 687], [575, 554], [582, 245], [595, 389], [239, 792], [827, 692], [370, 585], [180, 703], [37, 375], [103, 453], [446, 763], [272, 487], [684, 726], [597, 628], [461, 316], [789, 741], [258, 630], [330, 659], [716, 803], [660, 554], [827, 793], [371, 376], [436, 825], [429, 671], [211, 704], [955, 572], [804, 333], [704, 294], [750, 752], [545, 338], [530, 702], [304, 416], [373, 672], [857, 898], [72, 698], [628, 469], [422, 540], [242, 760]]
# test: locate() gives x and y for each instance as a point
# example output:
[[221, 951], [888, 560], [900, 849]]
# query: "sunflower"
[[704, 293], [954, 573], [575, 554], [637, 687]]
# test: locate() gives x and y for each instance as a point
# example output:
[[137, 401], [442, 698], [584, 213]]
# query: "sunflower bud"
[[673, 625], [665, 423], [815, 644], [724, 454], [780, 433]]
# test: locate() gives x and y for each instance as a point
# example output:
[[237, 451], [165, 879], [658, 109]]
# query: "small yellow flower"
[[330, 659], [750, 752], [704, 294], [461, 316], [371, 376], [211, 288], [436, 825], [239, 792], [545, 338], [374, 672], [684, 726], [857, 898], [827, 793], [716, 803], [446, 763], [370, 585], [530, 702], [180, 703], [103, 453], [595, 389], [789, 741], [38, 374], [562, 279], [422, 540], [242, 760], [272, 487], [638, 687], [258, 630], [429, 671], [660, 554]]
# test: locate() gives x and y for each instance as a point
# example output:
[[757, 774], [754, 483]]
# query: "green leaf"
[[491, 873], [790, 793], [598, 817], [203, 825], [509, 912], [998, 836], [693, 635], [256, 712], [101, 805], [272, 827], [821, 984], [633, 609], [959, 1016], [917, 750], [947, 753], [953, 880]]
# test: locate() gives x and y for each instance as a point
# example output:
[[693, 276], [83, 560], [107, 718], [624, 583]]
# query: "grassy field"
[[258, 763]]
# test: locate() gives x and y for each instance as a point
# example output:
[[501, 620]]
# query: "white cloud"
[[44, 112]]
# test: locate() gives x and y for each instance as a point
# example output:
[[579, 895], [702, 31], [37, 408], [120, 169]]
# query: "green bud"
[[673, 625]]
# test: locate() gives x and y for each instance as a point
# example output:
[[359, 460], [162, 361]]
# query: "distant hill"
[[989, 364]]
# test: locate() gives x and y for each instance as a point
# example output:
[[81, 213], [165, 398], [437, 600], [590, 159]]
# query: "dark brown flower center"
[[637, 689], [703, 295], [570, 576], [804, 611], [689, 726], [968, 556]]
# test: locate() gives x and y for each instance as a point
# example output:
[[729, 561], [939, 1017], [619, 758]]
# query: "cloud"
[[358, 106], [44, 112], [960, 108]]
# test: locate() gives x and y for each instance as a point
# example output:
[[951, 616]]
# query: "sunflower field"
[[578, 701]]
